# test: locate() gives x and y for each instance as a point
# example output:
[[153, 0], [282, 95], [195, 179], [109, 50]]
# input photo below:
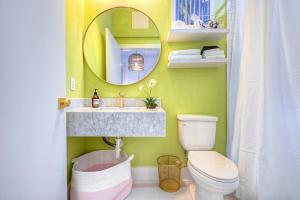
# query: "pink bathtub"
[[100, 176]]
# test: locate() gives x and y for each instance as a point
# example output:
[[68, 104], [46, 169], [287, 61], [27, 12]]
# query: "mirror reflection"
[[122, 46]]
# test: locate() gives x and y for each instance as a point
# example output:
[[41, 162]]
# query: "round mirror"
[[122, 46]]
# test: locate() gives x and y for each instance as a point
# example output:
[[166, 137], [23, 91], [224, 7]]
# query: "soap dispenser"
[[95, 100]]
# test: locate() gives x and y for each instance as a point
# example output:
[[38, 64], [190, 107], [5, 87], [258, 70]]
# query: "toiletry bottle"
[[95, 100]]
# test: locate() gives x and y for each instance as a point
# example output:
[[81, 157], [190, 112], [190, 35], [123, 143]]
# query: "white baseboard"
[[150, 175]]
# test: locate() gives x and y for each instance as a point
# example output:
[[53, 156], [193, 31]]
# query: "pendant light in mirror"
[[136, 62]]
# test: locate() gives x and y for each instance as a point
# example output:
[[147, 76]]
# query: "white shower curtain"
[[264, 99]]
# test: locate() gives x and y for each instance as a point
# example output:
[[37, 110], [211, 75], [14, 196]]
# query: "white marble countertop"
[[134, 120]]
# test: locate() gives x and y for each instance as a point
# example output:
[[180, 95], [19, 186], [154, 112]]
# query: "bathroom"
[[249, 93]]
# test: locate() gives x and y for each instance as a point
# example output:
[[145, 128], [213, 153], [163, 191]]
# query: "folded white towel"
[[184, 57], [213, 56], [219, 52], [213, 50], [186, 52]]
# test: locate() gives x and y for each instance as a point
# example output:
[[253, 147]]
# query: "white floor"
[[152, 191]]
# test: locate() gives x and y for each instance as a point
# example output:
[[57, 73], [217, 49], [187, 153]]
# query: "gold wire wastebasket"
[[169, 168]]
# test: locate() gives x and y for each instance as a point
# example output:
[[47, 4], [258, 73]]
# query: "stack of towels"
[[213, 53], [185, 55], [208, 52]]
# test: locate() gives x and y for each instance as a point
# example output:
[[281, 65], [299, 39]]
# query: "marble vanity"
[[133, 120]]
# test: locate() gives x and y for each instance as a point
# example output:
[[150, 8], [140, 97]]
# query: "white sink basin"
[[116, 121]]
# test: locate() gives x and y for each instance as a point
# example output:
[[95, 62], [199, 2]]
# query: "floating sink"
[[116, 122]]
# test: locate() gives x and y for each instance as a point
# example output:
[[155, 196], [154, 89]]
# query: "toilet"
[[214, 174]]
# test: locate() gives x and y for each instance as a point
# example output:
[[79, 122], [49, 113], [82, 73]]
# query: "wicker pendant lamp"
[[136, 62]]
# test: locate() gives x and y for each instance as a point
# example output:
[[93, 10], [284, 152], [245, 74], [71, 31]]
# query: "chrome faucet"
[[121, 99]]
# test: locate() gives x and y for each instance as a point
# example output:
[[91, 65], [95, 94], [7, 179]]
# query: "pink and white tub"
[[100, 176]]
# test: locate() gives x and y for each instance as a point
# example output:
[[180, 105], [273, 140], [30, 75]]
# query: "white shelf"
[[192, 35], [199, 63]]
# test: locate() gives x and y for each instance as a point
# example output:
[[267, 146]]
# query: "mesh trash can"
[[169, 168]]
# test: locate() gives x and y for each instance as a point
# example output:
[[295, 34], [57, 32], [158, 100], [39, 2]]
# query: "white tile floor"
[[152, 191]]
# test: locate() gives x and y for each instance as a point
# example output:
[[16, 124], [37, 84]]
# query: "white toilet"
[[214, 174]]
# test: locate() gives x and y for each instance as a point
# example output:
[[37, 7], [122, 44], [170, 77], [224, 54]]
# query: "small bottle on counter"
[[95, 100]]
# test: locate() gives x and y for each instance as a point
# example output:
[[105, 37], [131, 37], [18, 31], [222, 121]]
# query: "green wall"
[[198, 91], [94, 44], [74, 35], [74, 67], [122, 20]]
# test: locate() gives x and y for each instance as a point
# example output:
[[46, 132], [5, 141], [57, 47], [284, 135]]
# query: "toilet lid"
[[213, 165]]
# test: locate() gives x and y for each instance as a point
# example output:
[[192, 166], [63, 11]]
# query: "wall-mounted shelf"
[[201, 63], [192, 35]]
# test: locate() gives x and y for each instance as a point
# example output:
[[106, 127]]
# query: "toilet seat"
[[213, 166]]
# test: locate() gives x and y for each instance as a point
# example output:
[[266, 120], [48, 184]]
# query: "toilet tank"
[[197, 132]]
